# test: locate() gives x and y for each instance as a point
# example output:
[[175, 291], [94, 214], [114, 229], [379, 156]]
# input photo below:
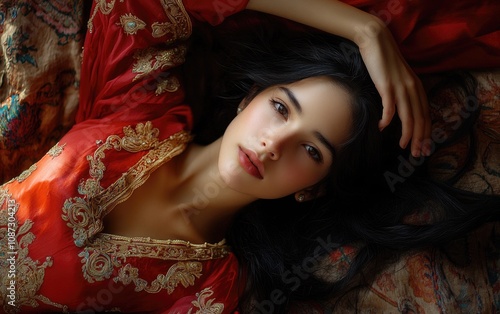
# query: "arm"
[[398, 86]]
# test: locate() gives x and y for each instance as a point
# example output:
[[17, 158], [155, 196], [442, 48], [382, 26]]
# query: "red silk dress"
[[436, 36], [54, 256]]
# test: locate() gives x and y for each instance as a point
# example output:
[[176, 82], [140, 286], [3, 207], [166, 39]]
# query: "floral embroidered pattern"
[[184, 273], [131, 24], [15, 239], [179, 25], [152, 59], [170, 84], [26, 173], [110, 251], [104, 7], [104, 255], [56, 150], [204, 305], [84, 214]]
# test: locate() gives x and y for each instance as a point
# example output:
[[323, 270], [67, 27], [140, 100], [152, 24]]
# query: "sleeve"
[[438, 36], [131, 59], [214, 11]]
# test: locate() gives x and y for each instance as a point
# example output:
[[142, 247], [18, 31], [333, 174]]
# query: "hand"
[[401, 90]]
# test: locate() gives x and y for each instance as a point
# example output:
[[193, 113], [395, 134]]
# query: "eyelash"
[[278, 104], [316, 156], [282, 110]]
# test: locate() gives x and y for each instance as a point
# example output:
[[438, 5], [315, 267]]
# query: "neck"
[[208, 204]]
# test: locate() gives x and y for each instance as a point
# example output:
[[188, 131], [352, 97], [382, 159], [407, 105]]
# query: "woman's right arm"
[[399, 87]]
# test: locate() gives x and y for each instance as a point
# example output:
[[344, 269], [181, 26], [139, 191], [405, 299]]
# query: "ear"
[[311, 193], [241, 106], [245, 101]]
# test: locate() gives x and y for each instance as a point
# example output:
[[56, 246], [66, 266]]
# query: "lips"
[[251, 163]]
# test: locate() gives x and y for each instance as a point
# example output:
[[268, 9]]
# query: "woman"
[[284, 242], [129, 194]]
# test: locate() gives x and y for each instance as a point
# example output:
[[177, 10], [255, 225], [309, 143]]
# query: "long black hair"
[[283, 245]]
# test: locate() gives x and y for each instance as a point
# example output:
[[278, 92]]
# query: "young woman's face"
[[285, 139]]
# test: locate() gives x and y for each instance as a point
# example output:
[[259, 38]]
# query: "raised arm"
[[399, 87]]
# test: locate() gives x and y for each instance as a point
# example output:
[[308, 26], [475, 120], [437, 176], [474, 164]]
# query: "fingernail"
[[427, 149]]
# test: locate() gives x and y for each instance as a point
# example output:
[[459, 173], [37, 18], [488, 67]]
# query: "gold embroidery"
[[152, 59], [84, 214], [206, 306], [56, 150], [26, 173], [160, 249], [162, 29], [104, 7], [111, 251], [179, 25], [184, 273], [15, 265], [131, 24], [104, 254], [170, 84]]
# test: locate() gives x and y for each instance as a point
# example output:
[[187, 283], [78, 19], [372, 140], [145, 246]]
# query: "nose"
[[272, 145], [269, 149]]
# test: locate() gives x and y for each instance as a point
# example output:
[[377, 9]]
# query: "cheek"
[[300, 173]]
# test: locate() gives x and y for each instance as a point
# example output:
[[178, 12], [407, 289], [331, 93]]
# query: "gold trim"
[[56, 150], [204, 305], [179, 24], [170, 84], [84, 214], [26, 173], [105, 254], [131, 24], [104, 7], [109, 252], [161, 249], [152, 59], [15, 239], [184, 273]]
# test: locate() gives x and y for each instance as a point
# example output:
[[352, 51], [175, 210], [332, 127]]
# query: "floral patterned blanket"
[[39, 77], [39, 69]]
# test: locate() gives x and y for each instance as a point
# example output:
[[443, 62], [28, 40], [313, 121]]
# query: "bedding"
[[39, 75]]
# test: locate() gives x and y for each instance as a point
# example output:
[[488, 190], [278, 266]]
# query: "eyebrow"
[[325, 142], [317, 134], [292, 98]]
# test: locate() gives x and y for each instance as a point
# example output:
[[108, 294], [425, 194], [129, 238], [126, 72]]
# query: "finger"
[[427, 118], [389, 110], [406, 115], [419, 123]]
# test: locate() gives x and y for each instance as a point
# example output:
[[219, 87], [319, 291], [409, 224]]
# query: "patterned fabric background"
[[39, 73]]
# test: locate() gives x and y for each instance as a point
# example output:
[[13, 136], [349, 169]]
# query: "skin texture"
[[194, 196], [292, 144], [400, 89]]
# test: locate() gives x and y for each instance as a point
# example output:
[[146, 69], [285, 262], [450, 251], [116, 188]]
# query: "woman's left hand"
[[401, 90]]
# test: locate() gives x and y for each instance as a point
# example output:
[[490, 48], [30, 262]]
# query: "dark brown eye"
[[279, 108], [313, 153]]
